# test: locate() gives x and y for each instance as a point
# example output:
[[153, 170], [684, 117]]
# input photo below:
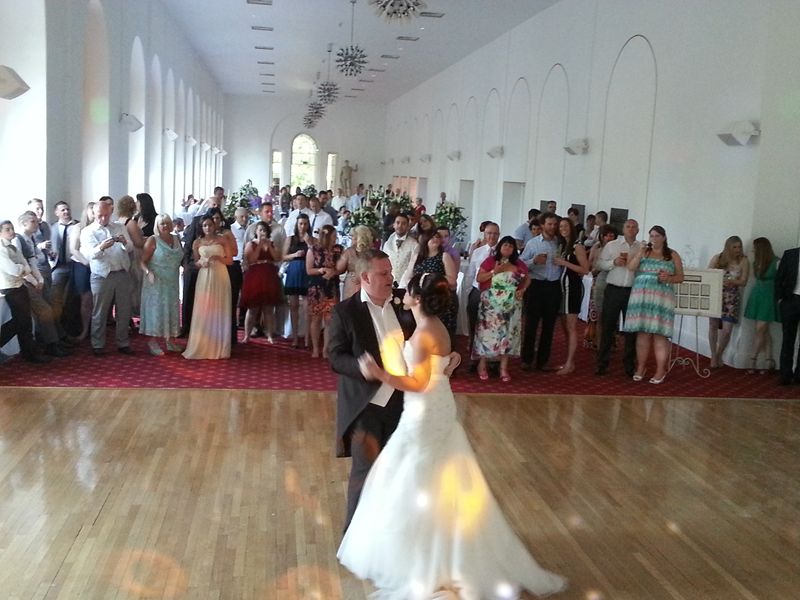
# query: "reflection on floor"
[[237, 494]]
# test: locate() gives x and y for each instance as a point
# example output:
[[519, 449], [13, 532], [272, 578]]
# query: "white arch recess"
[[190, 147], [627, 149], [452, 143], [551, 135], [137, 108], [168, 200], [155, 119], [489, 179], [180, 143], [517, 135], [95, 171]]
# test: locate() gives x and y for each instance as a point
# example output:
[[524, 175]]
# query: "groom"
[[367, 411]]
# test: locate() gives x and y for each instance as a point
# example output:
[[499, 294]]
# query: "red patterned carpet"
[[259, 365]]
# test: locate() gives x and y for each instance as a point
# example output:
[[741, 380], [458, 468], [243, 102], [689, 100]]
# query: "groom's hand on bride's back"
[[455, 360]]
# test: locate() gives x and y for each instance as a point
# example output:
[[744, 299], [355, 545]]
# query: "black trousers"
[[235, 276], [542, 300], [615, 301], [189, 284], [790, 317], [20, 308], [369, 434], [473, 305]]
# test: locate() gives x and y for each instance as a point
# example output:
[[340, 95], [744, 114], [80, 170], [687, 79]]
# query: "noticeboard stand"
[[675, 357]]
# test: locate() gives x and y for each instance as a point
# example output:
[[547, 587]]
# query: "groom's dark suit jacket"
[[351, 333], [786, 277]]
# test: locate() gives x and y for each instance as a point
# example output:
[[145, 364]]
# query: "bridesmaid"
[[210, 332], [160, 306], [761, 305], [736, 269]]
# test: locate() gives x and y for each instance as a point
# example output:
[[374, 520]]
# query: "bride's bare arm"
[[418, 380]]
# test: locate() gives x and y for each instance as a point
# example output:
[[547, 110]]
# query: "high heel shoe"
[[637, 377], [505, 378], [483, 376], [657, 381], [154, 349], [770, 367]]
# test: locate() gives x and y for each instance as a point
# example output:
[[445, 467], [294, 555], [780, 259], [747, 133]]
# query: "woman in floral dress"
[[736, 271], [503, 279], [323, 287], [651, 308]]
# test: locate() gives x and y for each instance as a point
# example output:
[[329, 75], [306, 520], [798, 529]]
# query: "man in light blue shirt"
[[522, 234], [543, 296]]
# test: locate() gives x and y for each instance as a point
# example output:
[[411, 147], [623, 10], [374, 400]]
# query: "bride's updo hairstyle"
[[433, 292]]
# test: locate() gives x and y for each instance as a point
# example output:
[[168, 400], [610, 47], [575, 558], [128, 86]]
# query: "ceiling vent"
[[430, 15], [407, 38], [390, 56], [261, 28], [266, 62], [357, 89], [260, 2], [377, 70]]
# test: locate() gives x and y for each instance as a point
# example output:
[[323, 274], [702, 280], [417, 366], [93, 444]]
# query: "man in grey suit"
[[60, 264]]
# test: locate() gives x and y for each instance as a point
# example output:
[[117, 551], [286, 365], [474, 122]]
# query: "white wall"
[[649, 83], [256, 125], [63, 139], [23, 136]]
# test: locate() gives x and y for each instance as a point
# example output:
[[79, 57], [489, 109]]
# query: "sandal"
[[483, 376], [752, 369], [505, 378], [770, 366]]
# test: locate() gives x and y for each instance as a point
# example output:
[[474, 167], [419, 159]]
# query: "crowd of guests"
[[122, 263]]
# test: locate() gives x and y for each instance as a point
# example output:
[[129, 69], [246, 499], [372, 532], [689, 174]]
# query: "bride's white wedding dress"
[[427, 521]]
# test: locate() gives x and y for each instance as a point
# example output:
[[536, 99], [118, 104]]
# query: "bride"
[[427, 524]]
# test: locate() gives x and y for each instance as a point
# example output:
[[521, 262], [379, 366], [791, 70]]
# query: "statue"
[[346, 176]]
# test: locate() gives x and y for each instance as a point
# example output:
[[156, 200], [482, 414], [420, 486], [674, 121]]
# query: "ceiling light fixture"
[[328, 90], [398, 10], [351, 59]]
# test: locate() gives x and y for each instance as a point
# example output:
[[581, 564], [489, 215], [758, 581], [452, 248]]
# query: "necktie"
[[314, 220], [399, 243], [62, 248]]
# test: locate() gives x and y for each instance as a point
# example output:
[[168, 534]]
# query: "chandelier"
[[309, 122], [328, 90], [351, 59], [398, 10], [316, 110]]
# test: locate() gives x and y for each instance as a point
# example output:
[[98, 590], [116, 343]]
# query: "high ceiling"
[[221, 32]]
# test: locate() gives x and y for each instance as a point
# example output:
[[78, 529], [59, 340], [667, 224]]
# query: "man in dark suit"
[[367, 411], [787, 293]]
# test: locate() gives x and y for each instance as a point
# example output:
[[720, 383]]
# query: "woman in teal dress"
[[160, 306], [761, 306], [651, 308]]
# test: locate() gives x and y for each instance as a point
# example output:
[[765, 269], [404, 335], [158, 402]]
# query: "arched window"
[[304, 161]]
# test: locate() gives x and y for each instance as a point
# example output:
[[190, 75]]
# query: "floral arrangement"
[[247, 197], [309, 191], [451, 216], [404, 202], [364, 216]]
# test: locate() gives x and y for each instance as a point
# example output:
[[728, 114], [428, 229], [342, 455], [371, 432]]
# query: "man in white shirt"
[[300, 203], [339, 200], [277, 232], [400, 248], [107, 247], [614, 259], [14, 271], [491, 234], [239, 231], [60, 263], [317, 218], [600, 219]]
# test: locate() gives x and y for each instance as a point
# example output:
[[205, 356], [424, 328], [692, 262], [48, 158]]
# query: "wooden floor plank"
[[178, 494]]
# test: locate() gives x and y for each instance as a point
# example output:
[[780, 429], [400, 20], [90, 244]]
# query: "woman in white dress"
[[426, 522], [210, 332]]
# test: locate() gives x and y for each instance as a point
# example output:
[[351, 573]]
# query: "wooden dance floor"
[[180, 494]]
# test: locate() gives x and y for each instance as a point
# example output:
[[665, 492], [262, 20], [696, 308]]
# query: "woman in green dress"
[[761, 306]]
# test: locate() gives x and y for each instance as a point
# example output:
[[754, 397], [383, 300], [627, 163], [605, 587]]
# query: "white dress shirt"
[[475, 261], [239, 233], [317, 221], [338, 202], [619, 276], [14, 268], [291, 220], [390, 341], [114, 258]]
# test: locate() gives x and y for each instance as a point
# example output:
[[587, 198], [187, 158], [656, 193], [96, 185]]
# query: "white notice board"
[[700, 294]]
